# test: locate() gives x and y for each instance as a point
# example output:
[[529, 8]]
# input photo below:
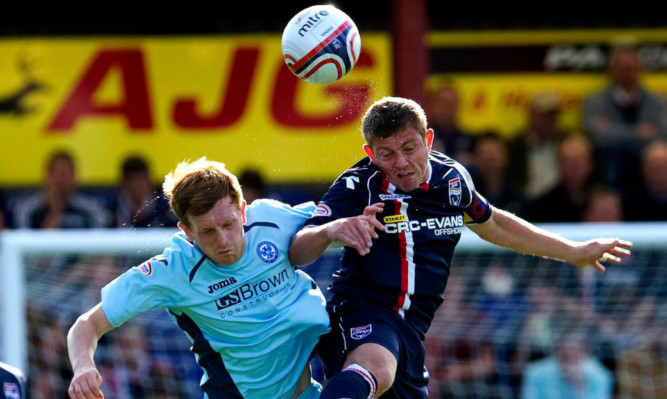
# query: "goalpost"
[[15, 245], [58, 274]]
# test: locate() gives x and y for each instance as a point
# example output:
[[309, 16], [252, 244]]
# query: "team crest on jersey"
[[322, 210], [361, 332], [267, 251], [11, 390], [145, 268], [385, 197], [455, 191]]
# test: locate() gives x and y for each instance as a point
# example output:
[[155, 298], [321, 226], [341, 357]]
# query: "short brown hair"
[[193, 188], [390, 115], [60, 155]]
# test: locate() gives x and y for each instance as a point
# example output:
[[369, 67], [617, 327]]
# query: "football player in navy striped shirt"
[[400, 212]]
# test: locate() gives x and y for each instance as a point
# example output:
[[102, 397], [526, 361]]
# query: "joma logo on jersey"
[[249, 291], [395, 218], [221, 284], [443, 225]]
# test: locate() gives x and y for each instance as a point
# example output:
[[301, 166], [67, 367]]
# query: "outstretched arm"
[[357, 232], [509, 231], [81, 345]]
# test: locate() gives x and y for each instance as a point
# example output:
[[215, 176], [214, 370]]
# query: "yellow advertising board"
[[230, 98], [497, 72]]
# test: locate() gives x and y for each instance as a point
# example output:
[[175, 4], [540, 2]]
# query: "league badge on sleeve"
[[322, 210], [145, 268]]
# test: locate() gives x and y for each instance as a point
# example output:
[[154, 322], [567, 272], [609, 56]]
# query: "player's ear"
[[369, 151], [429, 139], [243, 211], [187, 232]]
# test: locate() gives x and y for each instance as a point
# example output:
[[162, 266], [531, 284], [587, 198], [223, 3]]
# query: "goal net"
[[504, 318]]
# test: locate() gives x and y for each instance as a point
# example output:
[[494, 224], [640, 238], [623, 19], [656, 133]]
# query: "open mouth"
[[404, 175]]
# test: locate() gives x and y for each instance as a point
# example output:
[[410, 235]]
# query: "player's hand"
[[358, 232], [86, 384], [600, 251]]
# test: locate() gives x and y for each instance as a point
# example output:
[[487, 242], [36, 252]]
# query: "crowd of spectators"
[[494, 336], [616, 160]]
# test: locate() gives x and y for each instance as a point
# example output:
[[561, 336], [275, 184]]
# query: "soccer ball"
[[321, 44]]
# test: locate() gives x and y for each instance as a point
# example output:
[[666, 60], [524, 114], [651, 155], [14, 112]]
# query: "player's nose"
[[221, 239], [401, 161]]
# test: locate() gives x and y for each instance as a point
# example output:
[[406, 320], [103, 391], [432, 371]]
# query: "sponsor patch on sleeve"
[[480, 210]]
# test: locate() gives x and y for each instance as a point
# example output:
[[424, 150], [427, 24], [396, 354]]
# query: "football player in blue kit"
[[227, 281], [400, 212]]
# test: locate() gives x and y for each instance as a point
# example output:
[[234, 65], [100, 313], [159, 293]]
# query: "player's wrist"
[[83, 370]]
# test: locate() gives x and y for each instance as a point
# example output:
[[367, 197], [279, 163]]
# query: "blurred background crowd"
[[510, 326]]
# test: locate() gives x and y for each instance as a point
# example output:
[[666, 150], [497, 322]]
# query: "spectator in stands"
[[13, 382], [459, 355], [649, 201], [502, 308], [642, 369], [604, 204], [567, 200], [537, 330], [252, 184], [164, 383], [533, 161], [49, 370], [489, 172], [59, 205], [622, 118], [570, 372], [126, 377], [443, 113], [140, 202], [502, 305]]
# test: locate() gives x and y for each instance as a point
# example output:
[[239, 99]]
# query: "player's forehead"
[[404, 137], [224, 211]]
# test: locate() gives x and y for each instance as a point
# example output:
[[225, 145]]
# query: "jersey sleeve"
[[340, 201], [478, 209], [290, 218], [148, 286]]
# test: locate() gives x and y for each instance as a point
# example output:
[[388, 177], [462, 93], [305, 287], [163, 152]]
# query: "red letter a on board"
[[134, 107]]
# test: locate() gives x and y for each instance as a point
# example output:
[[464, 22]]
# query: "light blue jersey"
[[253, 324]]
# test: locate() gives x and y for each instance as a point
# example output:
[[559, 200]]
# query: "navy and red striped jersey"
[[408, 266]]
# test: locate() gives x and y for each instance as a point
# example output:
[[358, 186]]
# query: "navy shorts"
[[351, 327]]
